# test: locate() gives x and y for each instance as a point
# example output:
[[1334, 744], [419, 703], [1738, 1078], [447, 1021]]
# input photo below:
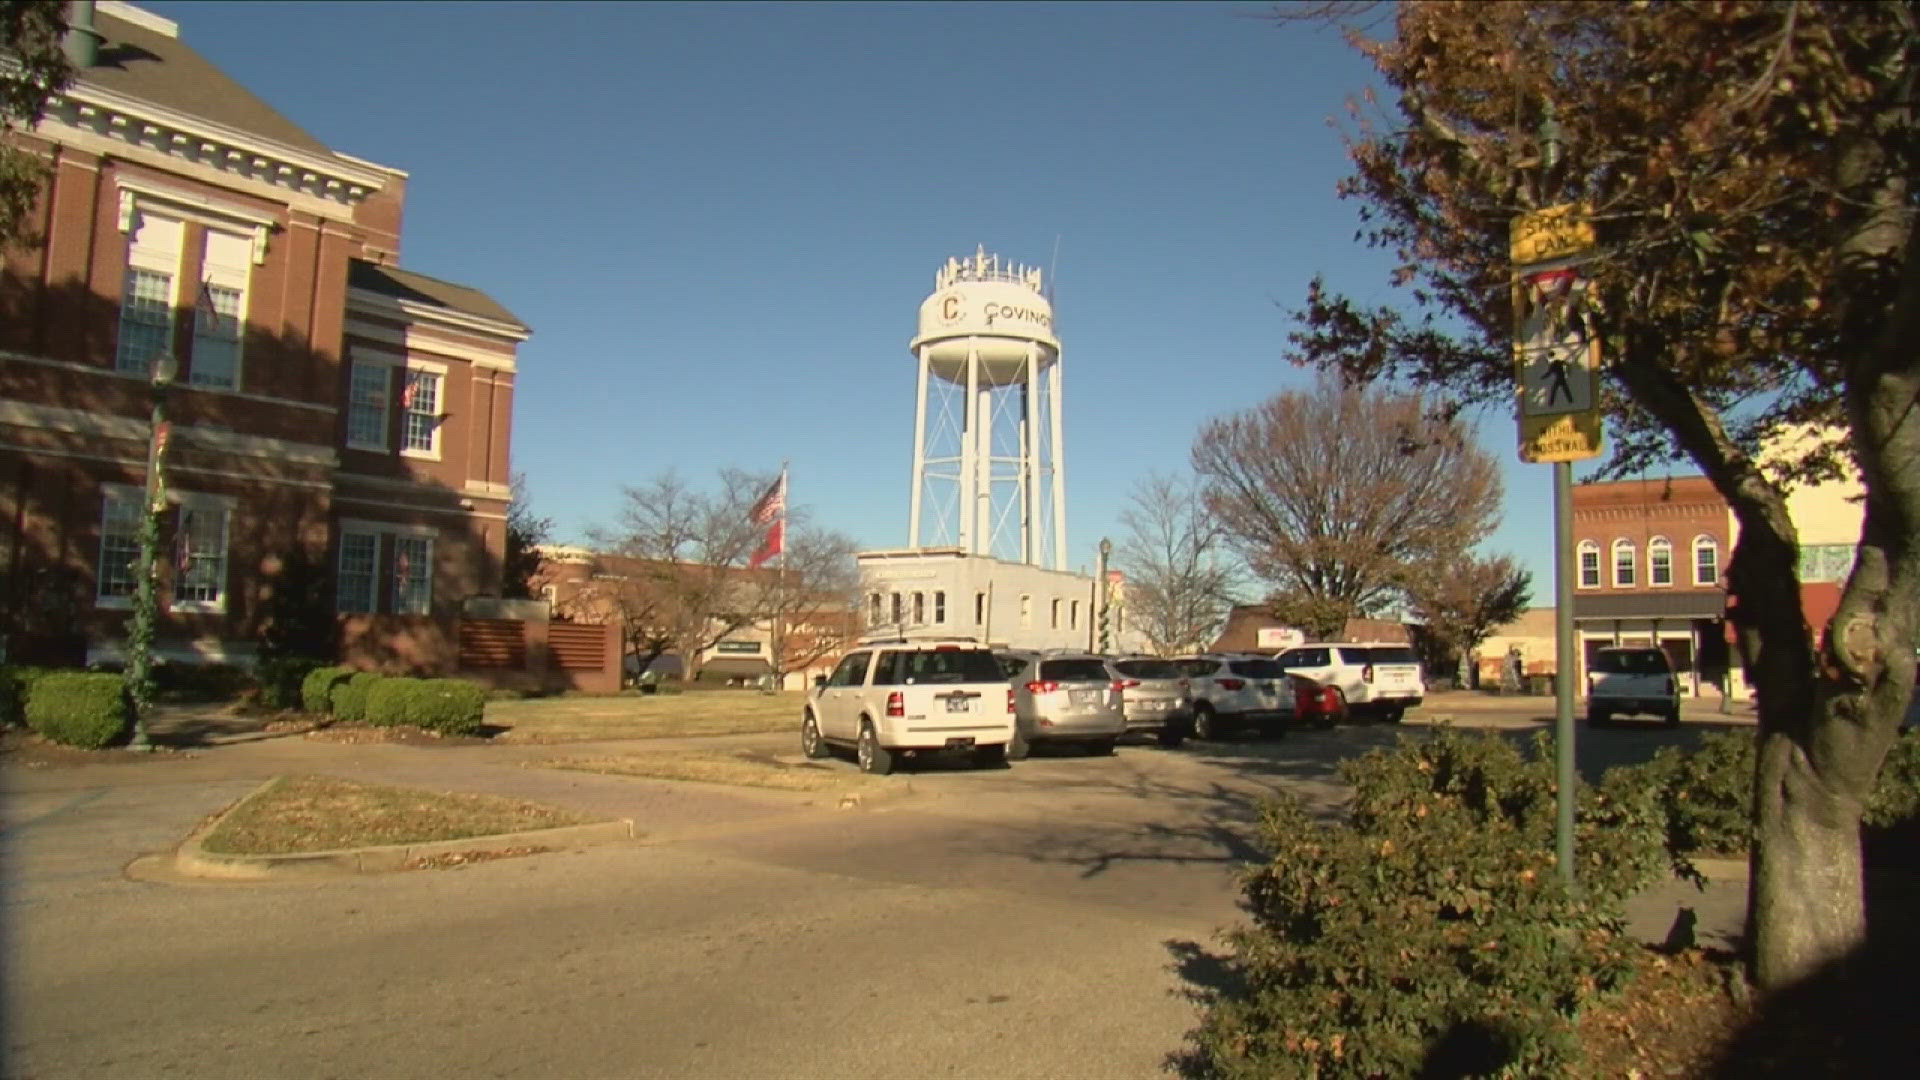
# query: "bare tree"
[[1179, 583], [526, 534], [1331, 494], [683, 583]]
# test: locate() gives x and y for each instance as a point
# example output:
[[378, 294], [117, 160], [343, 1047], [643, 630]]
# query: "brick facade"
[[263, 263]]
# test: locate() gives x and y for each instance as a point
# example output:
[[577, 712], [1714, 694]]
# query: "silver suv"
[[1233, 692], [899, 698], [1156, 696], [1631, 680], [1067, 697]]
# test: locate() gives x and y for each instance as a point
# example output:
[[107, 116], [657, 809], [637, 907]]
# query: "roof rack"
[[912, 634]]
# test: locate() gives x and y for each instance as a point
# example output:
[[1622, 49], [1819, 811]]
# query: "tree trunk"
[[1805, 899]]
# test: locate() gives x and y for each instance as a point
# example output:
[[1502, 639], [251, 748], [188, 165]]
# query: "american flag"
[[773, 504], [407, 385]]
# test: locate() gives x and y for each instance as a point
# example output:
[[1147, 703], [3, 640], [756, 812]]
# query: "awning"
[[1606, 607]]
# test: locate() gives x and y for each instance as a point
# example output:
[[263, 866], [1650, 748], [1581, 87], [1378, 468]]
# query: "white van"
[[1373, 678], [1627, 680]]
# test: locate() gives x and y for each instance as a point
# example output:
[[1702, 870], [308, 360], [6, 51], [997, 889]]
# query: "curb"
[[192, 857]]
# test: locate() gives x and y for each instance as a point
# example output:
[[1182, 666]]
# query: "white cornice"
[[123, 118], [412, 340], [368, 302]]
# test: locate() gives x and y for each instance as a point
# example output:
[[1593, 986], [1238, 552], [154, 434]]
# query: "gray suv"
[[1066, 697]]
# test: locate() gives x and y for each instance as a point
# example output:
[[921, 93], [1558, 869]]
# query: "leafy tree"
[[525, 534], [1331, 494], [1179, 588], [815, 599], [30, 35], [1749, 166], [1462, 601]]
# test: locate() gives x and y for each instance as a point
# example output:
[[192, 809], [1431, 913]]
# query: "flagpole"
[[780, 589]]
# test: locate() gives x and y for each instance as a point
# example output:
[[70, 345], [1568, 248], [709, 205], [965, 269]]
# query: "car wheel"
[[1206, 726], [1172, 737], [1017, 747], [873, 757], [1100, 748], [990, 757], [1673, 716], [811, 744], [1598, 718]]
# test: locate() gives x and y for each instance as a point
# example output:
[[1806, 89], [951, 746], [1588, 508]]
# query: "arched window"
[[1706, 560], [1623, 557], [939, 607], [876, 609], [1589, 564], [1659, 561], [899, 609], [919, 609]]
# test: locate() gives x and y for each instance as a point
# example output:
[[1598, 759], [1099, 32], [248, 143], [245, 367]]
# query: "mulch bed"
[[402, 734], [23, 749], [1671, 1021]]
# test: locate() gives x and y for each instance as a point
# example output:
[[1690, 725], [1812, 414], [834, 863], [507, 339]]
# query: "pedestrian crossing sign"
[[1556, 357]]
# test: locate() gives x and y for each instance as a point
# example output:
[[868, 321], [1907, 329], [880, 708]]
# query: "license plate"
[[1153, 706], [1084, 697], [959, 704], [960, 743]]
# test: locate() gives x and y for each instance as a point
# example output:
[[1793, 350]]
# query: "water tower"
[[988, 475]]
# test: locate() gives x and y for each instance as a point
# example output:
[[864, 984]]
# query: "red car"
[[1321, 706]]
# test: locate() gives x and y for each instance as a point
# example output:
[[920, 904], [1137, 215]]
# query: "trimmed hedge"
[[83, 709], [16, 684], [449, 706], [348, 699], [316, 687], [282, 680]]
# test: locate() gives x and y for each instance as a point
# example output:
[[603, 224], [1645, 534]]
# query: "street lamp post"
[[146, 600], [1101, 642]]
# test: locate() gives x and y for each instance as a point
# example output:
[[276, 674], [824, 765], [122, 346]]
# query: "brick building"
[[337, 459]]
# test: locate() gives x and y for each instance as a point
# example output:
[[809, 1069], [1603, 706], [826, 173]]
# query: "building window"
[[979, 609], [1826, 562], [876, 608], [118, 572], [367, 406], [412, 575], [899, 609], [1073, 616], [1053, 616], [1589, 564], [1026, 609], [919, 609], [215, 361], [939, 607], [146, 321], [1623, 556], [200, 556], [1706, 561], [420, 413], [1659, 561], [359, 560]]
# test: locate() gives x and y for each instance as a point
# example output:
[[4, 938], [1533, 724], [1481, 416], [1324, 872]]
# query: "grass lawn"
[[648, 716], [722, 767], [317, 813]]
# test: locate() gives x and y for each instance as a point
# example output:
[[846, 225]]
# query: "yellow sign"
[[1556, 339], [1553, 233]]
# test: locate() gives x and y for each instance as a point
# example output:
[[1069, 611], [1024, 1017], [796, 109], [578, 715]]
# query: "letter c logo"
[[950, 309]]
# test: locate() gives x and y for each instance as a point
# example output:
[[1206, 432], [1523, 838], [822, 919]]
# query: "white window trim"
[[439, 372], [373, 583], [1653, 580], [1599, 571], [169, 202], [189, 500], [360, 355], [242, 284], [1632, 564], [1704, 541], [393, 574], [176, 497]]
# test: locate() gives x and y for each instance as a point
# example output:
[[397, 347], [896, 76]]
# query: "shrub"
[[449, 706], [316, 687], [348, 699], [83, 709], [282, 680], [1430, 930]]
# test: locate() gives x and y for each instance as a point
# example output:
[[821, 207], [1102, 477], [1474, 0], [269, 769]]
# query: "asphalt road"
[[1051, 920]]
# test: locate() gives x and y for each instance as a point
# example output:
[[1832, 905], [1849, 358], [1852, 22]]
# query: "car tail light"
[[1230, 684], [1305, 695], [896, 704], [1009, 699], [1366, 673], [1125, 684], [1042, 687]]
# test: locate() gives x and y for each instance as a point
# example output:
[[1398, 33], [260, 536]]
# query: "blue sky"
[[720, 220]]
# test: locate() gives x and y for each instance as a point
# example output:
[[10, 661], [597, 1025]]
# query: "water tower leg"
[[967, 434], [1030, 457], [919, 452], [983, 491], [1059, 468]]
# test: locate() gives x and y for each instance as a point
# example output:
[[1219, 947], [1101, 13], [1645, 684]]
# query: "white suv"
[[1631, 680], [900, 698], [1374, 678], [1231, 692]]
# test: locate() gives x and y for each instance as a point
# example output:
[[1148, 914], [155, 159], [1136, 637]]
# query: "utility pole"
[[1101, 640], [146, 599]]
